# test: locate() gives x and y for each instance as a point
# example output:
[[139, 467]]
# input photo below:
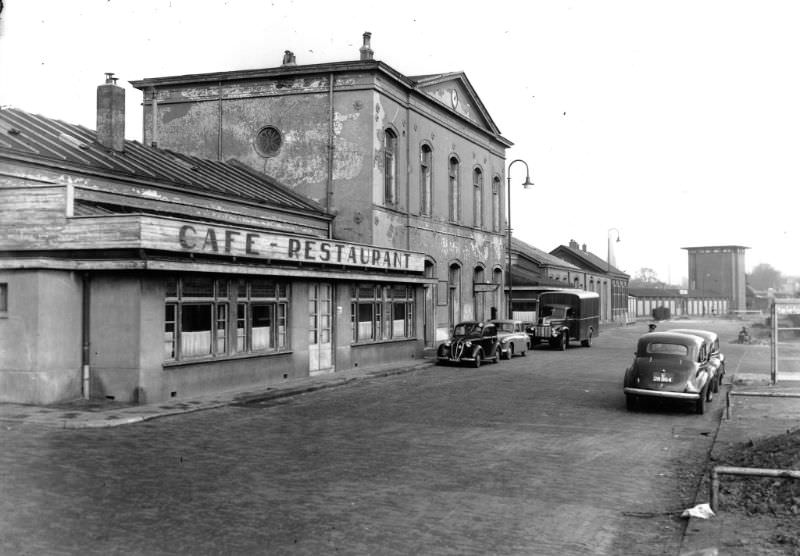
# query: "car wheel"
[[716, 382], [563, 342], [700, 404], [510, 351], [630, 402], [522, 353], [497, 354], [710, 389], [588, 341], [477, 362]]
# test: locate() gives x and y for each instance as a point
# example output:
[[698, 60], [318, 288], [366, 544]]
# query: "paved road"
[[531, 456]]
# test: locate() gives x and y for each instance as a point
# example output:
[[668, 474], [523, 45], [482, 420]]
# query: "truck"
[[566, 315]]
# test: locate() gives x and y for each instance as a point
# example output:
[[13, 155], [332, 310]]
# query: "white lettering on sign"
[[199, 238]]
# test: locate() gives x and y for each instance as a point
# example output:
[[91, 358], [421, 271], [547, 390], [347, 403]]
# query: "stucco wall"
[[40, 337]]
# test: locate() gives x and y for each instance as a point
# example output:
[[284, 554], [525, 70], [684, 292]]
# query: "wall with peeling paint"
[[365, 104]]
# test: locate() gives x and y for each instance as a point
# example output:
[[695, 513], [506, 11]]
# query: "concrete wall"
[[40, 337]]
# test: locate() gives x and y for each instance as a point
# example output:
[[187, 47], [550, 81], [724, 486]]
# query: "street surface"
[[536, 455]]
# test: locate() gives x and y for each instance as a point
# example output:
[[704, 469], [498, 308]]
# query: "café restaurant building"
[[138, 274]]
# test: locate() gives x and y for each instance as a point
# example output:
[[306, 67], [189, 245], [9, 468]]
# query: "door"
[[320, 347]]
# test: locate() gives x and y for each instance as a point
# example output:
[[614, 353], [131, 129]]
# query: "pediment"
[[455, 92]]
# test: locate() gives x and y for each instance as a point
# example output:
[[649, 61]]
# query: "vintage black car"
[[472, 342], [670, 366]]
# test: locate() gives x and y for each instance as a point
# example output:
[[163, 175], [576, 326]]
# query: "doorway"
[[320, 346]]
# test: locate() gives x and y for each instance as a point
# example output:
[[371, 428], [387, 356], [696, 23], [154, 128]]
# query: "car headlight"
[[468, 344], [504, 341]]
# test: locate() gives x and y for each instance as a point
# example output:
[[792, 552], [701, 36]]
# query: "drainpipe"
[[329, 184], [85, 383], [154, 114], [219, 123], [408, 171]]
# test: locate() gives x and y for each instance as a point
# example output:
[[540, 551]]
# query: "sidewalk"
[[750, 418], [100, 413]]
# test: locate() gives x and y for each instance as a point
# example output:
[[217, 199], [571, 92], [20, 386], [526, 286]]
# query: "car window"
[[464, 329], [660, 348], [505, 326]]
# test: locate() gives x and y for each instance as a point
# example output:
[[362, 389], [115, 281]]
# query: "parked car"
[[716, 357], [566, 315], [512, 336], [671, 366], [472, 342]]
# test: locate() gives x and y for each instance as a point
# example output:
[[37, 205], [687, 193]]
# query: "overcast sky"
[[676, 123]]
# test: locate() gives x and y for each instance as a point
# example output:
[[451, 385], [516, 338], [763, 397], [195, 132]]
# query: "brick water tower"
[[718, 269]]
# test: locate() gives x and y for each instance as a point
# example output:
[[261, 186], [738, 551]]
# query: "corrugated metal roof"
[[55, 141]]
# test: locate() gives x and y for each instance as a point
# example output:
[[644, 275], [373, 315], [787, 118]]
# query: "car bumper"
[[449, 360], [662, 394]]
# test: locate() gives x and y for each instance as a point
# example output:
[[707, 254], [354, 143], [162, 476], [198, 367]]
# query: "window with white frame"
[[380, 312], [197, 322]]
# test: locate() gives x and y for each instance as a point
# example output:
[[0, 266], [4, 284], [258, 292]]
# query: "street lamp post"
[[526, 184], [610, 279]]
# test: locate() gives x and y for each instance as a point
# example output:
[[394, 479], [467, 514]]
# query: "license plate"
[[662, 378]]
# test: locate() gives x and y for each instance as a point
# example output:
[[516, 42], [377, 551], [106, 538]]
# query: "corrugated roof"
[[58, 142]]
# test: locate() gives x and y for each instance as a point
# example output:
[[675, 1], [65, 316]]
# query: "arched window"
[[496, 204], [477, 198], [453, 168], [478, 293], [454, 294], [389, 167], [425, 157]]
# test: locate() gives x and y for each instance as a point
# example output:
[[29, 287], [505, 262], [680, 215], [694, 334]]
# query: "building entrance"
[[320, 347]]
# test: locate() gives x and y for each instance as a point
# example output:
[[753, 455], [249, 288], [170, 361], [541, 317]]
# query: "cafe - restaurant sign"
[[173, 235]]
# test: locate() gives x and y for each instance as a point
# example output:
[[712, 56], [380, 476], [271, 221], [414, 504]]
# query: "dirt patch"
[[771, 506]]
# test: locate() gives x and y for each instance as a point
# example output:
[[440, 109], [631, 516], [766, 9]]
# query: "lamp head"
[[528, 183]]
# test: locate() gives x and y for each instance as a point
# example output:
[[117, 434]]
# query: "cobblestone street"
[[536, 455]]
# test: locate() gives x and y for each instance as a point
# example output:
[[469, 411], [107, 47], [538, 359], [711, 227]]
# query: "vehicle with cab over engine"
[[567, 315]]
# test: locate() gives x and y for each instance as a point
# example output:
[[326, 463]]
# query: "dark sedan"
[[472, 342], [671, 366]]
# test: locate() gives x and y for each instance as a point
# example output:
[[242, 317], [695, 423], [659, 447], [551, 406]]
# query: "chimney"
[[365, 50], [573, 244], [289, 58], [111, 114], [583, 248]]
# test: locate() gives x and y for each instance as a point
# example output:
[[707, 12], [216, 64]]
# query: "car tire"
[[716, 382], [630, 402], [563, 342], [710, 389], [497, 354], [588, 341], [477, 362], [700, 404], [523, 352]]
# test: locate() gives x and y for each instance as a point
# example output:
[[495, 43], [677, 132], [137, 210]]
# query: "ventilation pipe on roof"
[[365, 50], [111, 114]]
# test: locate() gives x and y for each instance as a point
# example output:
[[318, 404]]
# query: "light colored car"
[[670, 366], [512, 337], [716, 358]]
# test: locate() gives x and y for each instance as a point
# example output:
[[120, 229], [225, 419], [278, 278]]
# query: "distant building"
[[598, 276], [719, 270], [676, 302], [534, 271]]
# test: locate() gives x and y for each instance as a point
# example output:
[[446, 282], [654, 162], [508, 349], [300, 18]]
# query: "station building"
[[140, 274], [410, 163]]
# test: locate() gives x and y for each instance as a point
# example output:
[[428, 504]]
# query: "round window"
[[268, 141]]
